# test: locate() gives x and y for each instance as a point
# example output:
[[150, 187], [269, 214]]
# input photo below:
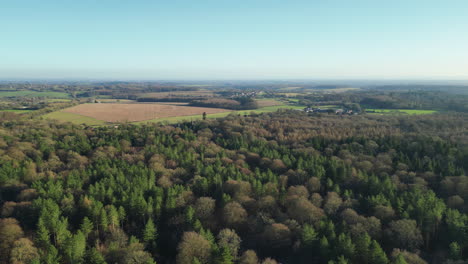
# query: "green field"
[[58, 100], [16, 111], [402, 111], [74, 118], [177, 119], [34, 94]]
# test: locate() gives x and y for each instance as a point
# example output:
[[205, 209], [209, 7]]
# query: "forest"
[[283, 187]]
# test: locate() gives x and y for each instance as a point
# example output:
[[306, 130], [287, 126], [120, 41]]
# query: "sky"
[[234, 39]]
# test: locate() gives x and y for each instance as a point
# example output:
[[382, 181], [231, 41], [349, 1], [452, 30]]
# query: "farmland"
[[401, 111], [74, 118], [199, 93], [34, 94], [137, 112], [100, 114], [18, 111], [268, 102], [267, 109]]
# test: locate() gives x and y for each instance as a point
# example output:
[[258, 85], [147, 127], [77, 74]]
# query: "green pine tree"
[[86, 227], [399, 260], [150, 232], [377, 254]]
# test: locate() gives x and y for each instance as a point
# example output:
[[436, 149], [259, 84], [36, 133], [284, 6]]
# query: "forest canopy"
[[284, 187]]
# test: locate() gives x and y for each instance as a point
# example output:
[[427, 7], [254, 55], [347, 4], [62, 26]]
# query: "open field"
[[201, 93], [16, 111], [219, 115], [402, 111], [74, 118], [290, 88], [101, 114], [290, 94], [58, 100], [268, 102], [34, 94], [338, 90], [116, 101], [137, 112], [196, 85], [113, 111], [326, 106]]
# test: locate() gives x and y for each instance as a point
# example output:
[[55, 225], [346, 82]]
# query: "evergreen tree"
[[399, 260], [150, 233], [454, 251], [93, 256], [377, 254], [309, 236], [224, 256], [86, 227]]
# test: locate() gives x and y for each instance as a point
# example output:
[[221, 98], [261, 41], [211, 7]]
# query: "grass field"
[[338, 90], [402, 111], [116, 101], [290, 88], [268, 102], [16, 111], [200, 93], [58, 100], [34, 94], [74, 118], [219, 115]]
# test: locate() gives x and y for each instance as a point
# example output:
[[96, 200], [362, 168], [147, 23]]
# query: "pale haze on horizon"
[[255, 39]]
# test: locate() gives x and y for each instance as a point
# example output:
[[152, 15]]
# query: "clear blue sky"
[[234, 39]]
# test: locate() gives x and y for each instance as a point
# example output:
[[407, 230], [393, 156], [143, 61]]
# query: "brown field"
[[268, 102], [137, 112]]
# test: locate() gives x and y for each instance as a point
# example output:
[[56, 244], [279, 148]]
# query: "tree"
[[134, 254], [229, 239], [309, 236], [42, 234], [399, 260], [225, 256], [93, 256], [404, 234], [269, 261], [150, 233], [277, 236], [103, 220], [10, 231], [51, 256], [249, 257], [410, 258], [86, 227], [345, 246], [377, 254], [234, 214], [23, 252], [454, 251], [75, 247], [324, 247], [113, 215], [304, 211], [363, 243], [332, 202], [193, 246], [204, 207]]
